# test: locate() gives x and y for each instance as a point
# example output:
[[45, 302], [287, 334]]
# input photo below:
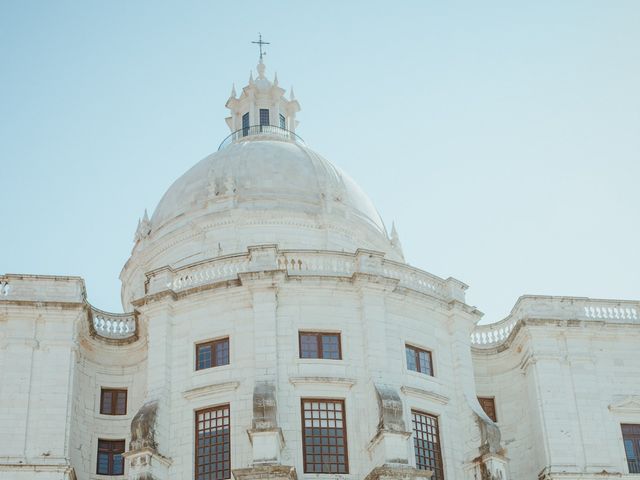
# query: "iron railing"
[[265, 130]]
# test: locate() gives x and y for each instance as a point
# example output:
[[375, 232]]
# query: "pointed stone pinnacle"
[[275, 79], [233, 90], [292, 96]]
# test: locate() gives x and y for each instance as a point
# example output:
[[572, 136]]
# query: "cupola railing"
[[267, 131]]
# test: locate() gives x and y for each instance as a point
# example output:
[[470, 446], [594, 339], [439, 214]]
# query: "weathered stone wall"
[[562, 390]]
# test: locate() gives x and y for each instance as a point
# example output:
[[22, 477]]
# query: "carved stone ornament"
[[626, 404], [489, 432], [143, 427], [264, 406], [398, 473], [390, 409], [267, 472]]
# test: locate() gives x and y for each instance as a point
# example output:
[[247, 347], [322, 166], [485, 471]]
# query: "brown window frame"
[[208, 473], [318, 336], [345, 437], [438, 469], [213, 344], [417, 351], [111, 448], [114, 400], [631, 433], [488, 404]]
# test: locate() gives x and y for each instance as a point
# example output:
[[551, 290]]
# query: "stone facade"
[[238, 250]]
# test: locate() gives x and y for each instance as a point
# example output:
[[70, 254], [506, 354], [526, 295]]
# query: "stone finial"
[[233, 91], [250, 77], [395, 240], [292, 96], [275, 79], [261, 67], [144, 228]]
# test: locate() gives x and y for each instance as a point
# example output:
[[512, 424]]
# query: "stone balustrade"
[[555, 308], [303, 263], [115, 326]]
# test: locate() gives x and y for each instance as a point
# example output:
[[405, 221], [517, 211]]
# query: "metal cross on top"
[[261, 43]]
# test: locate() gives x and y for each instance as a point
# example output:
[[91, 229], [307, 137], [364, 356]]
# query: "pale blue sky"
[[502, 137]]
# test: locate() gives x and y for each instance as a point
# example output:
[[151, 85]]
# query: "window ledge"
[[424, 377], [210, 370], [329, 361], [341, 381]]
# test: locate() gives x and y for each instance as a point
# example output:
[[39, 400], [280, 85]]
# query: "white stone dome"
[[263, 187], [267, 175]]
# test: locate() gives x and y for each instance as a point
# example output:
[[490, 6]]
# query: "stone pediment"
[[626, 404]]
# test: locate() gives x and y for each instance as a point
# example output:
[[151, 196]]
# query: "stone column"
[[266, 436], [148, 454]]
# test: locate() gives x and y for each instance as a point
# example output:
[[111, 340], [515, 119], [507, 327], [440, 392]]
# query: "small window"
[[320, 345], [264, 116], [283, 122], [110, 460], [426, 443], [631, 437], [324, 436], [488, 404], [419, 360], [212, 354], [113, 401], [245, 124]]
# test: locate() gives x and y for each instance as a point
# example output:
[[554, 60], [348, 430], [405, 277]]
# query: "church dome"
[[263, 186], [269, 175]]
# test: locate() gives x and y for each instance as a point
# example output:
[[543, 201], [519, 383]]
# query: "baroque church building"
[[275, 331]]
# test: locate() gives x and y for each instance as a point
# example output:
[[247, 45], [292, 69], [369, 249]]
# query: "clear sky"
[[502, 137]]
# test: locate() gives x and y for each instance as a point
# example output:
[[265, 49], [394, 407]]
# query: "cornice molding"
[[211, 389]]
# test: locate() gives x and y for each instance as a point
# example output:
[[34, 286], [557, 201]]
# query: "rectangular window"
[[283, 122], [488, 404], [212, 354], [631, 437], [324, 436], [113, 401], [419, 360], [245, 124], [264, 116], [110, 460], [213, 443], [320, 345], [426, 443]]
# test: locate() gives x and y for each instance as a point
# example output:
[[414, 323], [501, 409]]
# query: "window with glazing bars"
[[110, 460], [631, 437], [320, 345], [488, 404], [283, 121], [245, 124], [419, 360], [324, 436], [113, 401], [212, 354], [426, 443], [264, 116], [213, 444]]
